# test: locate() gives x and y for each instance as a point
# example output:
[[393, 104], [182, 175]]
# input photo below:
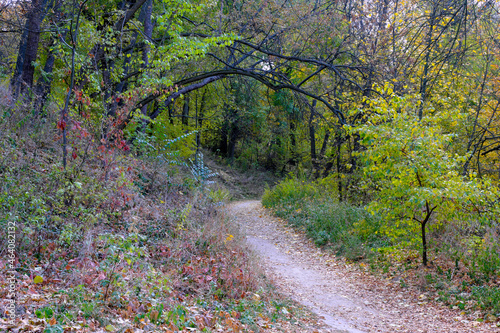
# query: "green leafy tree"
[[416, 179]]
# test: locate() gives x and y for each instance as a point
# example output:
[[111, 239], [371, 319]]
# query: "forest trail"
[[344, 297]]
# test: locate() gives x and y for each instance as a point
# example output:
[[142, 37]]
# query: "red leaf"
[[61, 124]]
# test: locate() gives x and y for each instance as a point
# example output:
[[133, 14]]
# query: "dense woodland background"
[[381, 116]]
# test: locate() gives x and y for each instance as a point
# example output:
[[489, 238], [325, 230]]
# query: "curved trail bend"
[[345, 298]]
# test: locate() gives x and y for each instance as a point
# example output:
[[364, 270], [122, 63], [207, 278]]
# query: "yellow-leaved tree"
[[415, 177]]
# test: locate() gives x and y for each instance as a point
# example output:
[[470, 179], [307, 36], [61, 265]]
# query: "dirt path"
[[347, 299]]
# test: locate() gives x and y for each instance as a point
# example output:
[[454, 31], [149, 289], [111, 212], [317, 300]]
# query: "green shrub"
[[348, 229], [488, 298], [483, 259], [289, 191]]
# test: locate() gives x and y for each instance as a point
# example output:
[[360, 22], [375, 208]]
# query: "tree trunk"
[[320, 157], [22, 80], [423, 224], [42, 88], [312, 140], [472, 136], [202, 109], [170, 108], [338, 160], [223, 138], [35, 19], [233, 137], [293, 141], [234, 134], [101, 62], [185, 111], [16, 78], [199, 120], [356, 147], [324, 145], [424, 245], [120, 87], [145, 17]]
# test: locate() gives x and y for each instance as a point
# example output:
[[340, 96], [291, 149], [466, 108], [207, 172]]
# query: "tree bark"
[[146, 13], [42, 88], [338, 160], [199, 120], [35, 18], [234, 134], [170, 108], [293, 141], [233, 138], [185, 111], [428, 214], [22, 80], [16, 78], [424, 244], [202, 109], [312, 140]]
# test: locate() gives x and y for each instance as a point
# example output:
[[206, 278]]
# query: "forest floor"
[[344, 296]]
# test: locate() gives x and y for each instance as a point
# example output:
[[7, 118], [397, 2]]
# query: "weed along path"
[[345, 297]]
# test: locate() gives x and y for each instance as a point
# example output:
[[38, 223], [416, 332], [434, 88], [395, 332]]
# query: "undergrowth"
[[120, 239], [349, 230]]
